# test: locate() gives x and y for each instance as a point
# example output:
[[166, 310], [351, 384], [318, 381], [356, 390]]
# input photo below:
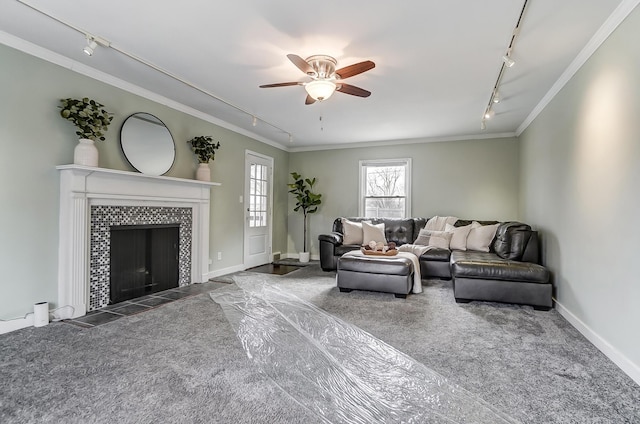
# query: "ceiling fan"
[[325, 78]]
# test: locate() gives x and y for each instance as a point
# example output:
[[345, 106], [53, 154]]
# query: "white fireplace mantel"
[[84, 186]]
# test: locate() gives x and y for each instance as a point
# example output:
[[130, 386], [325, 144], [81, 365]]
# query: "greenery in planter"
[[88, 116], [204, 147], [307, 201]]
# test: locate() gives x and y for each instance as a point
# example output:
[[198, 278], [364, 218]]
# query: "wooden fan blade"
[[355, 69], [280, 84], [310, 100], [353, 90], [301, 64]]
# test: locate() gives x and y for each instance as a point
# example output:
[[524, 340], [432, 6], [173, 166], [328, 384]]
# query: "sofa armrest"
[[328, 244], [333, 238], [532, 249]]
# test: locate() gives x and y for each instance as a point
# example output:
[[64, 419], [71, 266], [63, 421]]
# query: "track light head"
[[508, 62], [91, 45], [489, 114], [483, 125], [93, 42], [496, 97]]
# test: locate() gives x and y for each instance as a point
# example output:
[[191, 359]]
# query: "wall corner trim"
[[613, 21]]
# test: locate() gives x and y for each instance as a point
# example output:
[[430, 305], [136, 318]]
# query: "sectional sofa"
[[509, 272]]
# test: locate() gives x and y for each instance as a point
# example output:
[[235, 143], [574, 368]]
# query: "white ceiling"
[[436, 61]]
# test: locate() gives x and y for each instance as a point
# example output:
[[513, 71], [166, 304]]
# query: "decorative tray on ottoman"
[[392, 252]]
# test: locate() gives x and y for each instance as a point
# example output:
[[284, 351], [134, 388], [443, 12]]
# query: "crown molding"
[[80, 68], [386, 143]]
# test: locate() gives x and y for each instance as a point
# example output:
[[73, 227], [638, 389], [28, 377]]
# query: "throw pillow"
[[371, 232], [351, 232], [440, 239], [481, 236], [459, 236]]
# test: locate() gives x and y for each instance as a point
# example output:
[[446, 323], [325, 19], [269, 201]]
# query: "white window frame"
[[406, 162]]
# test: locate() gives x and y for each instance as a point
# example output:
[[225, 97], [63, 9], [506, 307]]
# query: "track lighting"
[[91, 44], [508, 62], [290, 138], [255, 121], [95, 41]]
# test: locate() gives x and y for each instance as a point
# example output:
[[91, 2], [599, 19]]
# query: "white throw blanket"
[[439, 223], [417, 279]]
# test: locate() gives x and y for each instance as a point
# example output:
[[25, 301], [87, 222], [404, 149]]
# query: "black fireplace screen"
[[143, 260]]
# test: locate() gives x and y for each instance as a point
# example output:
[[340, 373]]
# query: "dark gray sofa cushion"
[[489, 266], [436, 254]]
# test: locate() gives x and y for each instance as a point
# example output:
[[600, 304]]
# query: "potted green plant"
[[205, 149], [91, 121], [307, 202]]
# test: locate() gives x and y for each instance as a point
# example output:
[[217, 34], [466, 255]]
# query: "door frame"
[[245, 202]]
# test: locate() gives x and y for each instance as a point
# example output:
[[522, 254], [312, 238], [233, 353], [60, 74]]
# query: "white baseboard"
[[218, 272], [16, 324], [625, 364]]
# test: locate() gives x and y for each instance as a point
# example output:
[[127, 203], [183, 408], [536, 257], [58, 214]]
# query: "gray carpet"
[[181, 362]]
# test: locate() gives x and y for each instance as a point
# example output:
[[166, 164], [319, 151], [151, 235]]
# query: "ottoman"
[[388, 274]]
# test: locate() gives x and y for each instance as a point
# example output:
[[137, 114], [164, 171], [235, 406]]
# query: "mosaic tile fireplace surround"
[[93, 199], [103, 217]]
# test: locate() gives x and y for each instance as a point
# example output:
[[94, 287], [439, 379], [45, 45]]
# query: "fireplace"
[[143, 259], [107, 220], [92, 200]]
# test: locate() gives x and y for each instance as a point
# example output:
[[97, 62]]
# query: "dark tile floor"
[[145, 303], [274, 269], [140, 304]]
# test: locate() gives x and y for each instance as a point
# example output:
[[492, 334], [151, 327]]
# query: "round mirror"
[[147, 144]]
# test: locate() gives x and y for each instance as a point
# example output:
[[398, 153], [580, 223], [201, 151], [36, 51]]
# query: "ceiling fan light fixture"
[[320, 89]]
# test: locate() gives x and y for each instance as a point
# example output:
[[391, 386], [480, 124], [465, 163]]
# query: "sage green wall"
[[475, 179], [580, 187], [34, 140]]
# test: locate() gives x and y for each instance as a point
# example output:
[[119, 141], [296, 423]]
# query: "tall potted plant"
[[91, 121], [307, 202], [205, 149]]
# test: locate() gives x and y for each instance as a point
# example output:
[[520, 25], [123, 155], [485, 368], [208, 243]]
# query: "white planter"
[[85, 153], [203, 173], [304, 257]]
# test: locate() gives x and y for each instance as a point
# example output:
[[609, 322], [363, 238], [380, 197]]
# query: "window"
[[258, 180], [385, 187]]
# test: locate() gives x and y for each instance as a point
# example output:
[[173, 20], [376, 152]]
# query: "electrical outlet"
[[219, 256]]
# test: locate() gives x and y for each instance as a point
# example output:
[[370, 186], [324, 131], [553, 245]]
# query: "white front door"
[[257, 205]]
